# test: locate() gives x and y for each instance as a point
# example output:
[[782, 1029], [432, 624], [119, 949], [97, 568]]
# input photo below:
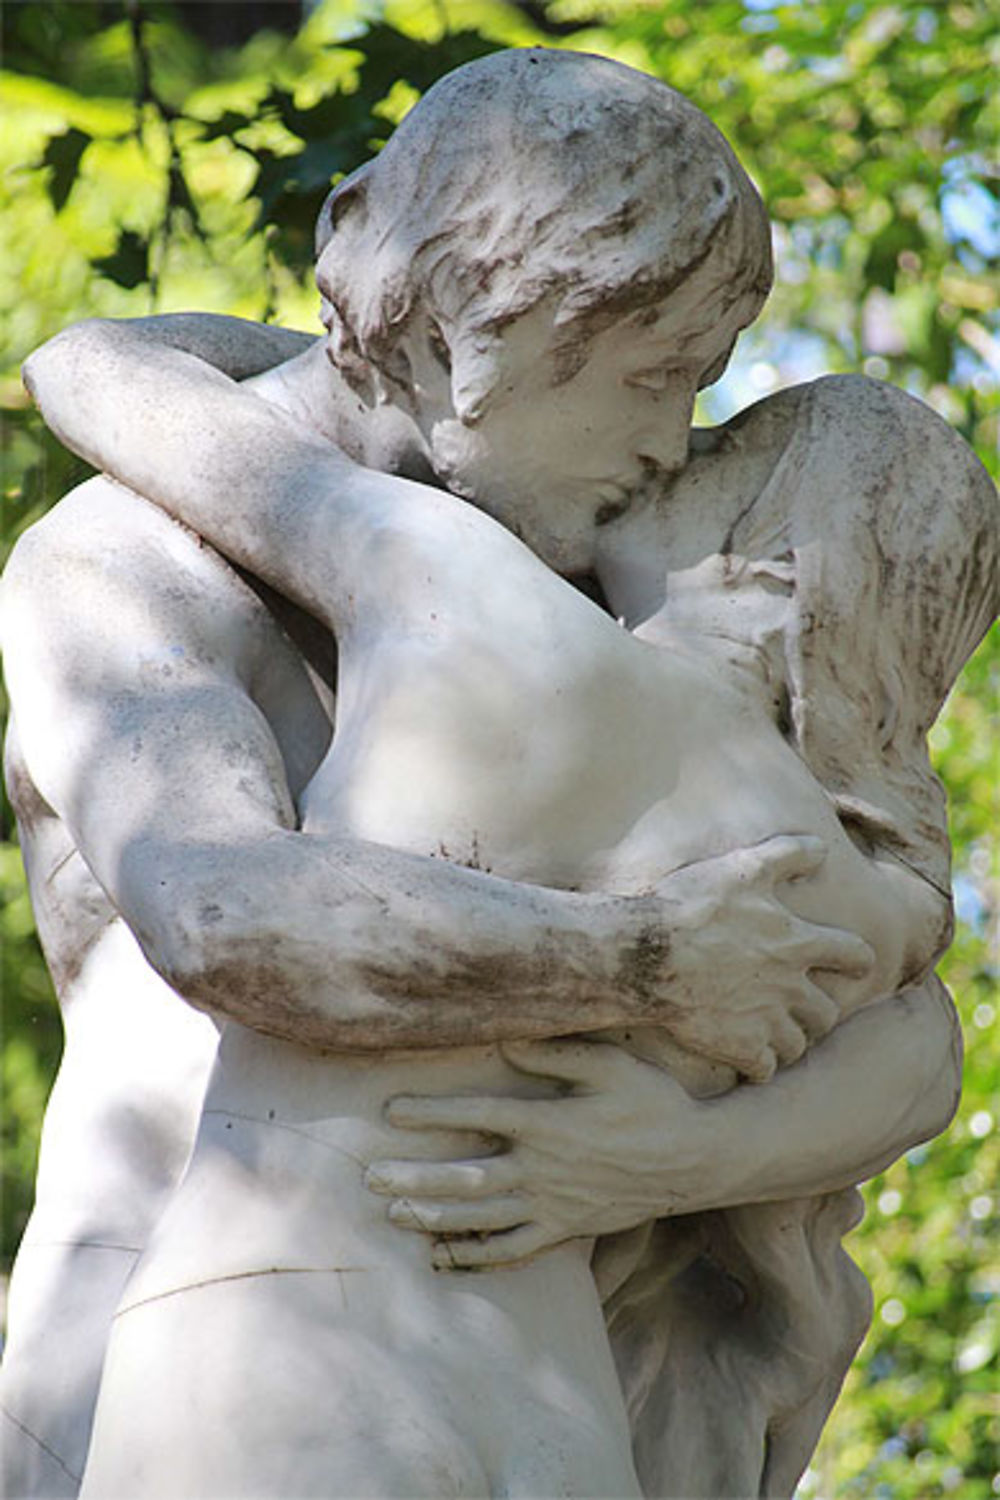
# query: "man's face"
[[554, 460]]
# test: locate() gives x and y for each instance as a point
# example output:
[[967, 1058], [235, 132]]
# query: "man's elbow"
[[176, 948], [176, 916], [218, 947], [209, 964]]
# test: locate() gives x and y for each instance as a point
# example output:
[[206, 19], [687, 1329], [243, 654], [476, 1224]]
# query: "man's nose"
[[664, 439]]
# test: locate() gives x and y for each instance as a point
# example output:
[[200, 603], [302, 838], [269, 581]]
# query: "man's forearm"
[[333, 943]]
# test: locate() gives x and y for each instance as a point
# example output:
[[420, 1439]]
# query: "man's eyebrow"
[[702, 321]]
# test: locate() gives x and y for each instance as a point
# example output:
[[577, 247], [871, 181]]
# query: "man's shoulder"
[[102, 522], [101, 551]]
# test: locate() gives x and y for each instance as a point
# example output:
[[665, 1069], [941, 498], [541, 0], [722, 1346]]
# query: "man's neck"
[[381, 437], [630, 563]]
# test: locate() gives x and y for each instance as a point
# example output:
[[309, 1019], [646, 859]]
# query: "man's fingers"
[[815, 1012], [497, 1250], [788, 856], [758, 1068], [841, 952], [788, 1040], [493, 1116], [485, 1216], [442, 1179]]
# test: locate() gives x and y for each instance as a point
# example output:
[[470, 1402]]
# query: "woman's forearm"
[[260, 485], [235, 346], [885, 1080], [624, 1143]]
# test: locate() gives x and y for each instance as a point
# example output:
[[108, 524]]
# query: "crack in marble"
[[81, 1245], [76, 1478], [293, 1130], [193, 1286]]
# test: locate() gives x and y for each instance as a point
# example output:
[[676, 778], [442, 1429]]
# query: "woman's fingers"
[[497, 1250], [442, 1179], [494, 1116], [568, 1060], [484, 1216]]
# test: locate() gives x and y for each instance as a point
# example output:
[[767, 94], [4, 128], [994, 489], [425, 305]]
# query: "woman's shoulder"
[[852, 419]]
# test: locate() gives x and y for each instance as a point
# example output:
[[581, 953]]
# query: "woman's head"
[[893, 528]]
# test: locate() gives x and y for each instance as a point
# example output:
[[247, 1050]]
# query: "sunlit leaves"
[[920, 1416]]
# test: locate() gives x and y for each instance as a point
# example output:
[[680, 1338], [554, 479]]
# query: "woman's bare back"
[[493, 715]]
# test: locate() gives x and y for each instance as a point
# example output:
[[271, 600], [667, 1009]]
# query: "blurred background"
[[158, 157]]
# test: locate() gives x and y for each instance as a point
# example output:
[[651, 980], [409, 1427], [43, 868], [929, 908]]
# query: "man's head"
[[537, 213]]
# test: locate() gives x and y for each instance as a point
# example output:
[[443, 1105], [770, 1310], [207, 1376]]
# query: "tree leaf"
[[129, 263], [62, 156]]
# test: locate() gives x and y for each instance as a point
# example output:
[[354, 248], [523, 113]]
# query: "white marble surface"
[[587, 948]]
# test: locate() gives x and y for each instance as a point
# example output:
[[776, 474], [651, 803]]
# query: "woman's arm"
[[235, 346], [627, 1143], [260, 485]]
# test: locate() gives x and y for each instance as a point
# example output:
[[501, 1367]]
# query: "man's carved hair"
[[527, 176]]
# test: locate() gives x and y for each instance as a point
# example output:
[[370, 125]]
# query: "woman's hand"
[[626, 1143], [623, 1145]]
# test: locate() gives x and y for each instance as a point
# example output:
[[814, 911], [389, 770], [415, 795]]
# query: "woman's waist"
[[264, 1197], [340, 1098], [268, 1197], [277, 1173], [331, 1108]]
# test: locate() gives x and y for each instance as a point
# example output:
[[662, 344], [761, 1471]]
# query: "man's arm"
[[138, 398], [131, 655], [236, 346], [130, 652]]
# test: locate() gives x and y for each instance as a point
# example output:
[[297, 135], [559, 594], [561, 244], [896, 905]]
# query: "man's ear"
[[476, 371], [348, 197]]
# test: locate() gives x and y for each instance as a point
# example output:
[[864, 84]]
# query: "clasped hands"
[[623, 1142]]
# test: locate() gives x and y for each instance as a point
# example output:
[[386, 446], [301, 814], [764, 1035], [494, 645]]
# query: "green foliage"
[[31, 1042], [145, 165]]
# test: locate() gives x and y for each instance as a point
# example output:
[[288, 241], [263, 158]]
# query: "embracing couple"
[[554, 878]]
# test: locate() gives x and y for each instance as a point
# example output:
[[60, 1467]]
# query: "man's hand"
[[741, 964], [624, 1145]]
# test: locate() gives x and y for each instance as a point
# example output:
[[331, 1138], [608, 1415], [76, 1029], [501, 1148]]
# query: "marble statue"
[[528, 795]]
